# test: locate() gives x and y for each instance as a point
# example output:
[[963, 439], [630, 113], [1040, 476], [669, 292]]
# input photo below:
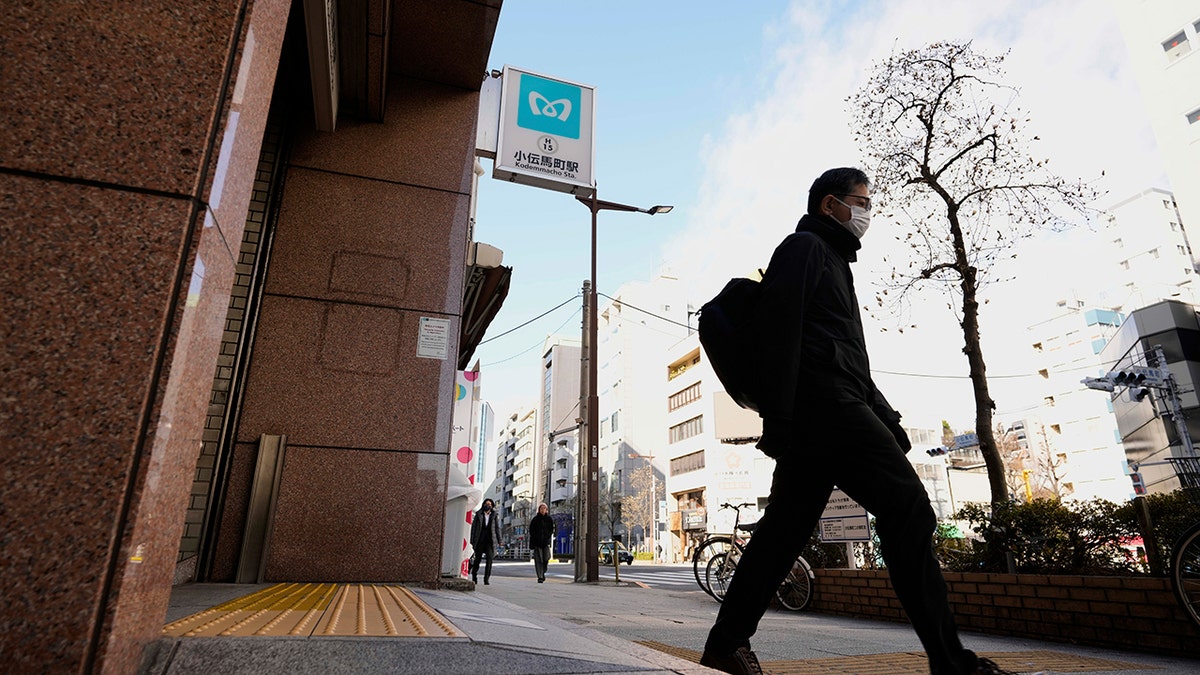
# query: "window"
[[1049, 401], [1194, 116], [1174, 226], [692, 427], [614, 420], [1179, 248], [1044, 373], [693, 461], [1176, 46], [1166, 203], [682, 398], [1154, 253], [1124, 264], [1118, 243], [1056, 428]]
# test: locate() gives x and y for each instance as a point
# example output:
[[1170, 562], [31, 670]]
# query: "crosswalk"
[[673, 577]]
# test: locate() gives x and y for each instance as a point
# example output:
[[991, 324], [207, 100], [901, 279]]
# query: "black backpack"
[[729, 338]]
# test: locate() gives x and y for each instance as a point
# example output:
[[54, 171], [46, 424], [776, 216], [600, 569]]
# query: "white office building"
[[1138, 254], [1163, 37], [635, 328]]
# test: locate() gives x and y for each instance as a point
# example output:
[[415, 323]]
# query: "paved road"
[[673, 577]]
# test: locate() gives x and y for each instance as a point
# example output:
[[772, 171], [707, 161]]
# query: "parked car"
[[606, 553]]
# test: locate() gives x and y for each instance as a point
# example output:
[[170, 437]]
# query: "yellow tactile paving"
[[914, 663], [368, 610]]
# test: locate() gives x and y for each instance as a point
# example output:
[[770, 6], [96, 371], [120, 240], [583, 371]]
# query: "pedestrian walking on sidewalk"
[[825, 423], [541, 534], [485, 537]]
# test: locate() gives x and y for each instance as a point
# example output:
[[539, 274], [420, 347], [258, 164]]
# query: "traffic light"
[[1137, 394], [1127, 377], [1139, 487], [938, 451], [1137, 376]]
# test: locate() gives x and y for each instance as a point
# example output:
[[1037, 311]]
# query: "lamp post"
[[590, 481]]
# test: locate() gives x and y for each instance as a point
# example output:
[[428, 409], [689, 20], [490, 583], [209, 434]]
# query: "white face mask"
[[860, 219]]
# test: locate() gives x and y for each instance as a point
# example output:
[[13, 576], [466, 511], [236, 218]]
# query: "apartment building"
[[558, 414], [1137, 255], [514, 484], [636, 326], [703, 472], [1163, 37]]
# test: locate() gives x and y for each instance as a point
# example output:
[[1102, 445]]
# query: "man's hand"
[[776, 436], [900, 435]]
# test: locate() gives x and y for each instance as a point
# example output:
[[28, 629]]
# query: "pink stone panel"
[[127, 93], [347, 239], [149, 547], [427, 139], [86, 287], [354, 515], [234, 162], [228, 546], [342, 375]]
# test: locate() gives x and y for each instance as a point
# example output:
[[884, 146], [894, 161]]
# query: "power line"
[[575, 297], [643, 311], [536, 344]]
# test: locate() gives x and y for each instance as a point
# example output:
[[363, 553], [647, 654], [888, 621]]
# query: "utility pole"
[[582, 513]]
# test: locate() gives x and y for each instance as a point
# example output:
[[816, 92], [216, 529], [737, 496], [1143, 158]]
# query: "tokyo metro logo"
[[548, 106]]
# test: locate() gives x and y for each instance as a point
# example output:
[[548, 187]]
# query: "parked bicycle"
[[1185, 556], [717, 557]]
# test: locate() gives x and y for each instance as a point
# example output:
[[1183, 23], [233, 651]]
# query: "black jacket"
[[477, 533], [813, 349], [541, 530]]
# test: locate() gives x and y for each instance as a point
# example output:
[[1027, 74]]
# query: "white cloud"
[[1068, 60]]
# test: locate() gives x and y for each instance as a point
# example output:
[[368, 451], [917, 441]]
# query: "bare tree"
[[1049, 467], [1014, 456], [609, 507], [951, 165], [636, 508]]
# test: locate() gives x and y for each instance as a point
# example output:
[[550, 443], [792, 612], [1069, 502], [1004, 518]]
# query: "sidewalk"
[[515, 626], [502, 638]]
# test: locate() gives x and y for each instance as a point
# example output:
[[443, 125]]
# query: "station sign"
[[546, 136]]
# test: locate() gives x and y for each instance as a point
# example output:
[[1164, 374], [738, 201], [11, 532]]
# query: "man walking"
[[541, 534], [826, 424]]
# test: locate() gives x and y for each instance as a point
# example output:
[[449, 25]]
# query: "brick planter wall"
[[1133, 613]]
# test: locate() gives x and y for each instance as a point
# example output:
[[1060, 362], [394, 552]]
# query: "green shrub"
[[1049, 537]]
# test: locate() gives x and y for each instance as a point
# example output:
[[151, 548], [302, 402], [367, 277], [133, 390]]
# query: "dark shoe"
[[486, 582], [474, 580], [989, 667], [541, 581], [740, 662]]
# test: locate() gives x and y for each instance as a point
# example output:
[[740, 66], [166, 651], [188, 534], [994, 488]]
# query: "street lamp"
[[591, 406]]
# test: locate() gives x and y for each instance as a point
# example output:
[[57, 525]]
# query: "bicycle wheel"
[[796, 590], [710, 547], [719, 573], [1185, 571]]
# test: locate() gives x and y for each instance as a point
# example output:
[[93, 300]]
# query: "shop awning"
[[483, 294]]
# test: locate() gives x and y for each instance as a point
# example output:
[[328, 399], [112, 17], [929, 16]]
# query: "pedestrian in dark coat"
[[541, 534], [485, 537], [826, 424]]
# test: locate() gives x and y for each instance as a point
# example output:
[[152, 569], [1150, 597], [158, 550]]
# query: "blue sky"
[[729, 110]]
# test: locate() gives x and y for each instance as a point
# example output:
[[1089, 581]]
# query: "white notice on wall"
[[433, 339]]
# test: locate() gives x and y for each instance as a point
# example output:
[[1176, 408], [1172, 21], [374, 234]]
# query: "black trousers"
[[484, 550], [848, 446]]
